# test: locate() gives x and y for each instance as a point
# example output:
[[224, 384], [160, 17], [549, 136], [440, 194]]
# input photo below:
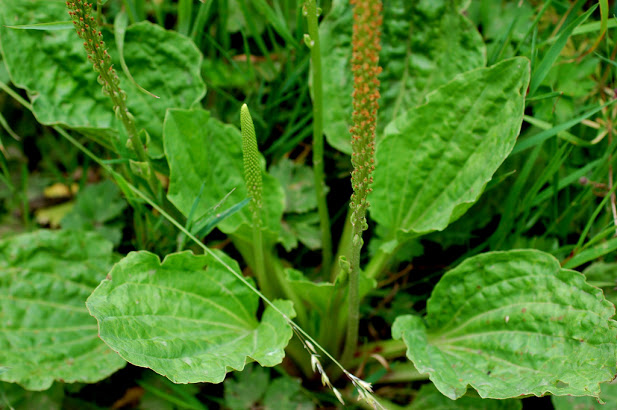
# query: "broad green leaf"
[[603, 275], [96, 209], [200, 149], [187, 318], [299, 185], [429, 398], [166, 64], [301, 221], [424, 45], [303, 228], [510, 324], [252, 388], [608, 396], [436, 159], [162, 394], [286, 393], [246, 388], [46, 332], [52, 67]]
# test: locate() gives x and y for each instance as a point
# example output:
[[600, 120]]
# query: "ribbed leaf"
[[604, 276], [608, 396], [436, 159], [201, 149], [52, 67], [424, 45], [511, 324], [46, 332], [187, 318]]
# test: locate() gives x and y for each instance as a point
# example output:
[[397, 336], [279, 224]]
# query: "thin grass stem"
[[318, 140]]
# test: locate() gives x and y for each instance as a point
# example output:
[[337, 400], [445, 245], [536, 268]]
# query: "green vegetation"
[[267, 204]]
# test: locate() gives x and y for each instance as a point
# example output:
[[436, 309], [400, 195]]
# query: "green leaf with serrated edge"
[[299, 185], [96, 208], [162, 394], [424, 45], [429, 398], [604, 276], [608, 396], [52, 67], [201, 149], [436, 159], [303, 228], [247, 387], [46, 333], [14, 397], [187, 318], [285, 393], [510, 324]]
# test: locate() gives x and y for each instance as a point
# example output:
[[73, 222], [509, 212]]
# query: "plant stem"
[[353, 298], [303, 336], [388, 349], [258, 255], [365, 66], [274, 283], [403, 373], [318, 141], [254, 187], [344, 246]]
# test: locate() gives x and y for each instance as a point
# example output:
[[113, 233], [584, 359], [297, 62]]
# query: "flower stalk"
[[275, 281], [254, 186], [312, 41], [365, 67]]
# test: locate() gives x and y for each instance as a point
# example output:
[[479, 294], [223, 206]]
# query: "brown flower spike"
[[87, 29], [365, 68]]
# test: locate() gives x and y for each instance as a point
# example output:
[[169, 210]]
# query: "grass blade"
[[551, 56]]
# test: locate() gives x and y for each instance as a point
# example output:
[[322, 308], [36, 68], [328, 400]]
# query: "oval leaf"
[[424, 45], [435, 160], [510, 324], [187, 318], [202, 150], [62, 85], [46, 332], [608, 397]]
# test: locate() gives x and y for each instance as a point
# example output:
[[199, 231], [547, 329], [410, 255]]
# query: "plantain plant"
[[426, 135]]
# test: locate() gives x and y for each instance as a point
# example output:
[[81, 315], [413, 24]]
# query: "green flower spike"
[[250, 153]]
